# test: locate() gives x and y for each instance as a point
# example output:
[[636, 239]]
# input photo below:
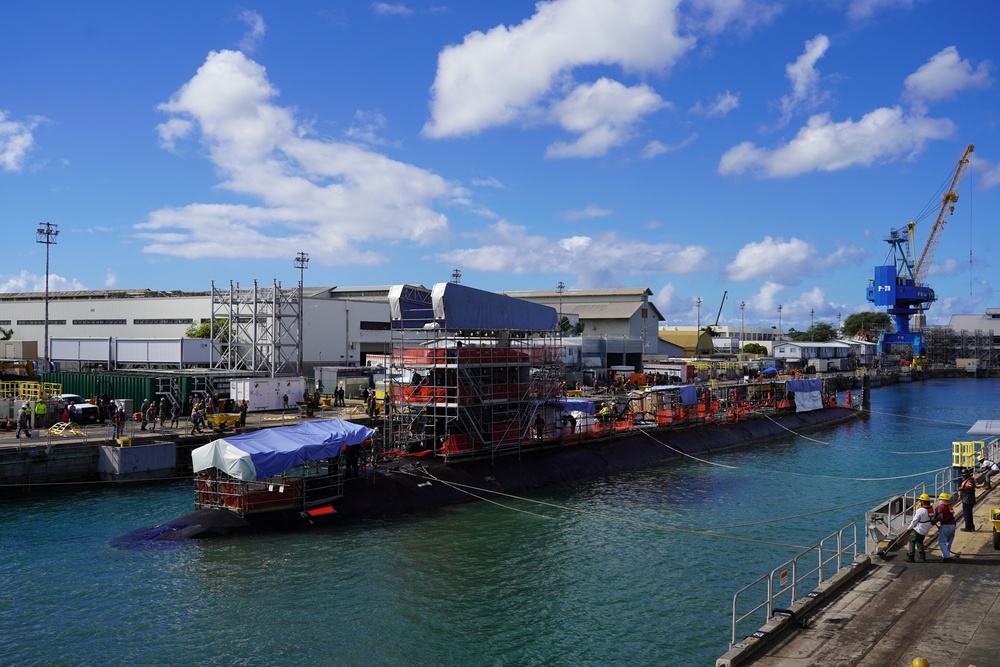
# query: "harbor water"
[[608, 571]]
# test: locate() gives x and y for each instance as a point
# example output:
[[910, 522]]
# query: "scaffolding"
[[258, 328], [467, 393]]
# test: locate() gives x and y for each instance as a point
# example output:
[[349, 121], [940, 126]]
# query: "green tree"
[[204, 330], [710, 330], [6, 334], [754, 348], [866, 325], [820, 332]]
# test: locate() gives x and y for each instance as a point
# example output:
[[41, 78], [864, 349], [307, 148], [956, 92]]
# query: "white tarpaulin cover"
[[808, 394], [271, 451]]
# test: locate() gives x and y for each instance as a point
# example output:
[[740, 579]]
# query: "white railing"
[[780, 588]]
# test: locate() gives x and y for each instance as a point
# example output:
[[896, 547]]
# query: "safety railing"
[[889, 520], [780, 588]]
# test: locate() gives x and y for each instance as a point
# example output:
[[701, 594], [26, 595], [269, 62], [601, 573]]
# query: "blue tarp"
[[688, 392], [573, 405], [772, 369], [804, 385], [458, 306], [272, 451]]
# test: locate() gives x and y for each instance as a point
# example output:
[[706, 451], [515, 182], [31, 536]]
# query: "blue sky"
[[692, 147]]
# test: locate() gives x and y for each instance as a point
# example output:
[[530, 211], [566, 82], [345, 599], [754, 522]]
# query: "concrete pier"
[[946, 613]]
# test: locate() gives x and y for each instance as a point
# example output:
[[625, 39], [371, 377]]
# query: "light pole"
[[812, 322], [697, 333], [779, 321], [301, 260], [561, 287], [743, 305], [46, 233]]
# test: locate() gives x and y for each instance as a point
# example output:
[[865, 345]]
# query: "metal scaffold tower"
[[256, 329]]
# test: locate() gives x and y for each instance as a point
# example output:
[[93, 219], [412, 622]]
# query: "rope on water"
[[923, 419], [682, 453], [797, 434], [638, 522]]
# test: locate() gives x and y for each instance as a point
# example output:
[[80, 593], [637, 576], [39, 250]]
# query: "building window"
[[75, 322], [374, 326], [184, 321], [4, 323], [39, 322]]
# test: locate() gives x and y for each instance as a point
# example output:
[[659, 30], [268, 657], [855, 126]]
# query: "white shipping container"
[[268, 393]]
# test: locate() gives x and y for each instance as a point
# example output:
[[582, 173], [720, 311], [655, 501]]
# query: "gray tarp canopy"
[[985, 427]]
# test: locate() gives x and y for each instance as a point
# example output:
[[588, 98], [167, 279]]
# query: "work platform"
[[946, 613]]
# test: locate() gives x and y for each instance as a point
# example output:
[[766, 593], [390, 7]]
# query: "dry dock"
[[946, 613]]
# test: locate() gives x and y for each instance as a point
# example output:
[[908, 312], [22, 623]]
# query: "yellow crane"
[[948, 200]]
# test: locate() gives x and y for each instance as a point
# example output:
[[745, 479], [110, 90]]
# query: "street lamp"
[[46, 233], [697, 337], [743, 305], [301, 260], [779, 321], [561, 287], [812, 322]]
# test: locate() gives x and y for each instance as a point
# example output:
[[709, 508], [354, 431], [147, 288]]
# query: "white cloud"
[[31, 282], [655, 148], [16, 140], [172, 130], [863, 9], [324, 196], [715, 16], [509, 74], [882, 135], [805, 79], [603, 114], [989, 173], [110, 278], [255, 33], [367, 127], [946, 267], [943, 76], [786, 262], [595, 260], [490, 182], [720, 106], [391, 9], [590, 211]]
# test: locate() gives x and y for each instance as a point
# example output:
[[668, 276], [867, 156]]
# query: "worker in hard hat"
[[989, 468], [919, 527], [944, 516]]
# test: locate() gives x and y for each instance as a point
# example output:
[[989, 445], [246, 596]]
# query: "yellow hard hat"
[[924, 498], [945, 497], [919, 662]]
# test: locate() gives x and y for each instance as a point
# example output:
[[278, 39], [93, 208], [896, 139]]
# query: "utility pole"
[[46, 233], [301, 260], [456, 276]]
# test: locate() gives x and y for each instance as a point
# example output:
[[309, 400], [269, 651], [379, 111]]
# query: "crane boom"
[[947, 208], [719, 314]]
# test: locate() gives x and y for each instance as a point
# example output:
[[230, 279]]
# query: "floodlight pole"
[[301, 260], [46, 233]]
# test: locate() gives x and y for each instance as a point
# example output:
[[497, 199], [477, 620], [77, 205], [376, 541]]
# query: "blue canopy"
[[772, 369], [272, 451], [573, 405]]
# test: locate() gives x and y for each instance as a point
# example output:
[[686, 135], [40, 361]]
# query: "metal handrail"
[[790, 585]]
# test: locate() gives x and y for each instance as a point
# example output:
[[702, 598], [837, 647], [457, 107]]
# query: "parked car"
[[86, 413]]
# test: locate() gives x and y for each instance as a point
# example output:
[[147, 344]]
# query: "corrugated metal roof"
[[973, 323], [578, 293], [602, 311]]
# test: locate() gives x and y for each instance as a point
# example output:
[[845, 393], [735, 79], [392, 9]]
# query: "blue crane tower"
[[899, 284]]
